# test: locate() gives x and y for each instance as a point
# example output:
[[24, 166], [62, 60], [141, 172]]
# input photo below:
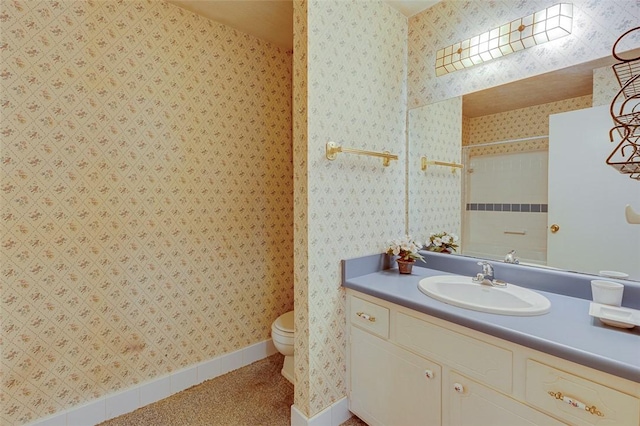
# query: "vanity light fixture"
[[548, 24]]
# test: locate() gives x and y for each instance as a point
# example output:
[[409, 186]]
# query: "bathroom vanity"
[[414, 360]]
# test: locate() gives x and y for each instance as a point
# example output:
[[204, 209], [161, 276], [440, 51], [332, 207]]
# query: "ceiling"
[[411, 7], [265, 19], [271, 20], [554, 86]]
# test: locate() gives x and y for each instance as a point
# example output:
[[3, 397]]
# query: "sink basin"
[[461, 291]]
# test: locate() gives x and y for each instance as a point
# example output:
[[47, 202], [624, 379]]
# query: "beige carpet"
[[255, 395]]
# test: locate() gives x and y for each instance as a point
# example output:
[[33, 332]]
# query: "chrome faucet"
[[487, 271], [486, 276], [511, 257]]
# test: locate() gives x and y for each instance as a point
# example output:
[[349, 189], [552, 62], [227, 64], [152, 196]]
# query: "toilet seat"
[[284, 323], [282, 335]]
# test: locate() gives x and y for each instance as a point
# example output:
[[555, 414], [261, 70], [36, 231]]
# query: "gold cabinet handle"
[[575, 403], [366, 316], [554, 228]]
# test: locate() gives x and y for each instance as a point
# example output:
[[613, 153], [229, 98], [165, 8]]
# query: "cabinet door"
[[470, 403], [390, 386]]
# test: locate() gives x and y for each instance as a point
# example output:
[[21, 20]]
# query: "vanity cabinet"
[[408, 368], [389, 385]]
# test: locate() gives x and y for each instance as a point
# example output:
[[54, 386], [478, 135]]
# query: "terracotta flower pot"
[[405, 266]]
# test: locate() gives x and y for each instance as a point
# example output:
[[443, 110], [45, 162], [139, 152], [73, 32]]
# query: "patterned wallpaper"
[[521, 123], [146, 196], [120, 204], [435, 131], [356, 70], [605, 86], [300, 213], [596, 26]]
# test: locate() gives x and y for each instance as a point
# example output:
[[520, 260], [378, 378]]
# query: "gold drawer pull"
[[366, 316], [576, 403]]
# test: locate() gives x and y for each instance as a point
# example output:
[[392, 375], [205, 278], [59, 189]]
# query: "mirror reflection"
[[534, 178]]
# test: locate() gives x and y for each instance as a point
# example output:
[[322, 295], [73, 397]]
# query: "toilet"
[[282, 336]]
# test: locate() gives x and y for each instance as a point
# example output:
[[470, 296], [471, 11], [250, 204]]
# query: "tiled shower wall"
[[146, 196]]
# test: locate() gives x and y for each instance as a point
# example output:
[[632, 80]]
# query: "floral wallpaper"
[[605, 86], [146, 196], [355, 62], [146, 150], [524, 123], [434, 200], [596, 26], [301, 229]]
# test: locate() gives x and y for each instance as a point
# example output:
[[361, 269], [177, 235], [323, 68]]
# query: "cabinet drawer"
[[565, 396], [490, 364], [369, 316], [471, 403]]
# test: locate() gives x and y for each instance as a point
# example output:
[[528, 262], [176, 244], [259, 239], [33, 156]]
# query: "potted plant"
[[407, 251], [442, 242]]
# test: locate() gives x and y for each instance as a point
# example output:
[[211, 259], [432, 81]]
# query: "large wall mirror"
[[534, 156]]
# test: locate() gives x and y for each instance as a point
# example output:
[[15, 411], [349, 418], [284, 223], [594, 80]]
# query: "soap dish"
[[615, 316]]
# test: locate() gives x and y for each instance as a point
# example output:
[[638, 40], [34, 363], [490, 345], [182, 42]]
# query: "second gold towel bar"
[[333, 149], [424, 163]]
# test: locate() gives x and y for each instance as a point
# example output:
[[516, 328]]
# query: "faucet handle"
[[487, 268], [511, 257]]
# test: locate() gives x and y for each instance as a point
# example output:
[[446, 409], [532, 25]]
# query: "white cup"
[[607, 292]]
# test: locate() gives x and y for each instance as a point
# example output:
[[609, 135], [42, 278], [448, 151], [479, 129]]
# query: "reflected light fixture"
[[548, 24]]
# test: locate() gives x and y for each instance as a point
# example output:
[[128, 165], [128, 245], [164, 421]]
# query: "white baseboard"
[[334, 415], [116, 404]]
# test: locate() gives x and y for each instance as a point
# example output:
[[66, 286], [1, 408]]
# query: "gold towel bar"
[[333, 149], [424, 163]]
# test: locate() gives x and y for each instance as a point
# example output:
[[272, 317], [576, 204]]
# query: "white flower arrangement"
[[405, 248], [442, 242]]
